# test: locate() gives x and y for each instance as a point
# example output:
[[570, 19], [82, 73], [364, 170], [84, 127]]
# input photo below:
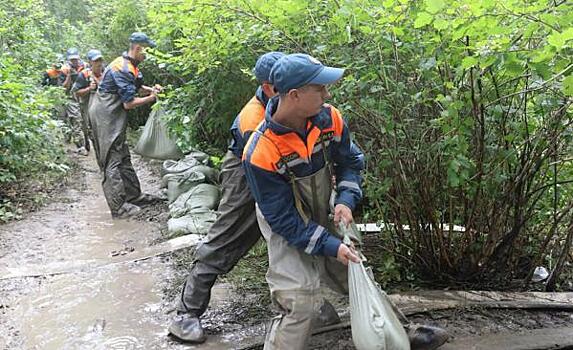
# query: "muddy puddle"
[[87, 301]]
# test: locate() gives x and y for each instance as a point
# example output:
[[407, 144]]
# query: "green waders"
[[294, 276], [84, 109], [231, 237], [73, 118], [108, 120]]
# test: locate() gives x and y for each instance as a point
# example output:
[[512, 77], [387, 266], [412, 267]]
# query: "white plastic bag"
[[374, 323], [154, 141]]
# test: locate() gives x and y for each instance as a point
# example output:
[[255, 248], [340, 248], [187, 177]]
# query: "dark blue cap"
[[72, 53], [142, 39], [297, 70], [94, 55], [264, 65]]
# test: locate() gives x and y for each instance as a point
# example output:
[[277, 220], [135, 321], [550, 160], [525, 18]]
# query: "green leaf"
[[440, 24], [559, 40], [468, 62], [423, 19], [568, 85], [434, 6]]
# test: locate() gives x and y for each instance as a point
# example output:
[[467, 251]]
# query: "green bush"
[[30, 139], [463, 108]]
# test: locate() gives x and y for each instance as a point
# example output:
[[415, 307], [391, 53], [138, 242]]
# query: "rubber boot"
[[127, 210], [146, 199], [424, 337], [186, 328]]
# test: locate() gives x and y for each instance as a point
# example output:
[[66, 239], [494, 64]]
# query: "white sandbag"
[[198, 221], [375, 325], [201, 196], [155, 141], [178, 184]]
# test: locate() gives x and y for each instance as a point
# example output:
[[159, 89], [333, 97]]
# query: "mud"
[[465, 323], [103, 300], [120, 306]]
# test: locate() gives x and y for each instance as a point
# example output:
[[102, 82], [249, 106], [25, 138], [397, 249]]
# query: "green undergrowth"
[[32, 192]]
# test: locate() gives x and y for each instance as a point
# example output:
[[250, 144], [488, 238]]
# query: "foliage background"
[[464, 109]]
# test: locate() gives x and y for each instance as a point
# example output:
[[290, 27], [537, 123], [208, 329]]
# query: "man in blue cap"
[[290, 162], [85, 87], [69, 73], [304, 172], [236, 230], [117, 92]]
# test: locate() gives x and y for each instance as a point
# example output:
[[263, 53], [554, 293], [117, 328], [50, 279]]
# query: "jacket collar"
[[132, 60], [260, 95]]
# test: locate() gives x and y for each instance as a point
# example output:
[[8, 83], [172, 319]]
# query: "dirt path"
[[100, 299], [119, 306]]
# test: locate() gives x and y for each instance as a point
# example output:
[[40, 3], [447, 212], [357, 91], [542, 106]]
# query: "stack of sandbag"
[[193, 193]]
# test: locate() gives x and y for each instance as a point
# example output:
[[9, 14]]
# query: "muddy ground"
[[99, 303]]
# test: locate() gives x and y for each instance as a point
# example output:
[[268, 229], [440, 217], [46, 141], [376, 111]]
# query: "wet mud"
[[115, 306], [102, 300]]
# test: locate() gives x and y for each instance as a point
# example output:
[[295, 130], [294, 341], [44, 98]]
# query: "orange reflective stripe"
[[251, 115], [337, 121], [271, 148], [265, 154], [53, 73], [124, 65]]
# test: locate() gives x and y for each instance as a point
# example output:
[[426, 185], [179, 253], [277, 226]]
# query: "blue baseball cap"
[[94, 55], [72, 53], [264, 65], [297, 70], [142, 39]]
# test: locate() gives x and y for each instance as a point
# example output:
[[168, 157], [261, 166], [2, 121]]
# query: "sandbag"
[[211, 174], [178, 184], [201, 196], [154, 141], [374, 323], [175, 167], [198, 221], [201, 157]]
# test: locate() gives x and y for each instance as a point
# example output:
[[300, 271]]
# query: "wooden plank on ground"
[[536, 339]]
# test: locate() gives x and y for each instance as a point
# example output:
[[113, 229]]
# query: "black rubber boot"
[[424, 337], [186, 328], [146, 199]]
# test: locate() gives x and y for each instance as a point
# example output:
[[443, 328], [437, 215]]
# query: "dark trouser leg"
[[233, 234], [85, 125], [128, 175], [74, 119], [113, 188]]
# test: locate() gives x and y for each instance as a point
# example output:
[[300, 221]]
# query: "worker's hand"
[[346, 254], [158, 88], [342, 212]]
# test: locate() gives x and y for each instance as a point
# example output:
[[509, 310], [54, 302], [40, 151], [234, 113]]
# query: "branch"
[[542, 86]]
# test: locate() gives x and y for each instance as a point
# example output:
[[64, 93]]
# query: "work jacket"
[[276, 156], [122, 77], [246, 121]]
